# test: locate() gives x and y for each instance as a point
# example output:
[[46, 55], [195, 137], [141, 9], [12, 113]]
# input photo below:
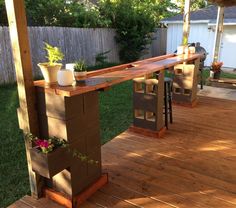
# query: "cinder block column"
[[148, 101], [75, 119], [185, 83]]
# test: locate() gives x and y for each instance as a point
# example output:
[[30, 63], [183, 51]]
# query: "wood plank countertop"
[[114, 75]]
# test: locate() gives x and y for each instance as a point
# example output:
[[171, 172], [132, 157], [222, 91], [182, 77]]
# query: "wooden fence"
[[75, 43]]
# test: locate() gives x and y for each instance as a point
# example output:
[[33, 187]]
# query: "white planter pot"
[[70, 67], [211, 74], [65, 77], [186, 50], [80, 75], [192, 50], [50, 71], [180, 50]]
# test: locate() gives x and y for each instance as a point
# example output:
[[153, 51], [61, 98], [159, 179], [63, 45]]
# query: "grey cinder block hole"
[[139, 114]]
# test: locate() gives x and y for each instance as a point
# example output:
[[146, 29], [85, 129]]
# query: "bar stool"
[[168, 88]]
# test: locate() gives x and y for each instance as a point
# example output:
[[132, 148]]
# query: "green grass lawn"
[[115, 116], [206, 74]]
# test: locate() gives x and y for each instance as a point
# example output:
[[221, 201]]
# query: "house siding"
[[198, 33]]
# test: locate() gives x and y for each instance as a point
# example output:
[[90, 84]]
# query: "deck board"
[[194, 165]]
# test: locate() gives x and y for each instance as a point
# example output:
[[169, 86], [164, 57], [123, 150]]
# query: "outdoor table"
[[72, 113]]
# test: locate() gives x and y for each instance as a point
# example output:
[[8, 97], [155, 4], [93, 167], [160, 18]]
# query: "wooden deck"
[[194, 165]]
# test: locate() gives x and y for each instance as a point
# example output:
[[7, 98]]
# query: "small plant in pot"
[[216, 69], [50, 68], [80, 70]]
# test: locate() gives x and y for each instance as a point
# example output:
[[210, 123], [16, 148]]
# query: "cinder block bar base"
[[148, 101], [185, 84], [75, 119]]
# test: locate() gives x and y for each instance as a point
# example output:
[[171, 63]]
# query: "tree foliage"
[[134, 20], [195, 5], [3, 15], [59, 13]]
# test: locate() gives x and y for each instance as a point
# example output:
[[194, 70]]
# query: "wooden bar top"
[[114, 75]]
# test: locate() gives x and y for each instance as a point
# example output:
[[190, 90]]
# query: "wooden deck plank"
[[197, 161], [19, 204], [106, 200], [184, 187], [133, 197], [194, 165]]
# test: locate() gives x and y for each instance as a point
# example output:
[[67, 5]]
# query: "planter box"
[[50, 164]]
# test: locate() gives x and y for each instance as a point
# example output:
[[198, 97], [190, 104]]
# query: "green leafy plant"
[[216, 66], [54, 54], [134, 22], [48, 145], [80, 66], [101, 58]]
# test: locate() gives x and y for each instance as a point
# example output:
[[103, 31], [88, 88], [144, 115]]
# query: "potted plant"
[[216, 69], [50, 68], [51, 156], [80, 69]]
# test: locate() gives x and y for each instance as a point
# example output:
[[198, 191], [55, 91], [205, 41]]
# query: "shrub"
[[133, 25]]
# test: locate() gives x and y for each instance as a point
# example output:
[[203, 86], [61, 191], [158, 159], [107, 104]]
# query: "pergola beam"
[[218, 33], [27, 114], [186, 25]]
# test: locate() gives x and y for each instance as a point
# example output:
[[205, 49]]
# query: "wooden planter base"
[[190, 105], [76, 201], [147, 132]]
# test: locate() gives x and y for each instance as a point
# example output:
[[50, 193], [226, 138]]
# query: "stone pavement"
[[216, 92]]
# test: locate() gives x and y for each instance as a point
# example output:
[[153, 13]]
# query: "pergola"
[[22, 60], [219, 24]]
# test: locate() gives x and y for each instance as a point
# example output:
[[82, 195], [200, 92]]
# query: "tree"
[[198, 4], [134, 21], [3, 15], [195, 5], [67, 13]]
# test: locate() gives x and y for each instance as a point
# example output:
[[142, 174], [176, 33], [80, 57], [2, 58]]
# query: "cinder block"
[[185, 83], [146, 102]]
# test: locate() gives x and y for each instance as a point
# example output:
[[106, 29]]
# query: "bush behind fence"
[[75, 43]]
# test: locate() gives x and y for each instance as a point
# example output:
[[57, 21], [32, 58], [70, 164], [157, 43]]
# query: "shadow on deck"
[[194, 165]]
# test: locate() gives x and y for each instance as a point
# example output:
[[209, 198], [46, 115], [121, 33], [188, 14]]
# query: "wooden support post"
[[218, 33], [21, 53], [186, 26]]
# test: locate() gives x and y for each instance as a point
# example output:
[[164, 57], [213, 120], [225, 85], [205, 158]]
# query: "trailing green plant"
[[101, 58], [54, 54], [80, 66], [48, 145]]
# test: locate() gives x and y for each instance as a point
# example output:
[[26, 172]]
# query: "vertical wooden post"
[[218, 33], [27, 114], [186, 25]]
